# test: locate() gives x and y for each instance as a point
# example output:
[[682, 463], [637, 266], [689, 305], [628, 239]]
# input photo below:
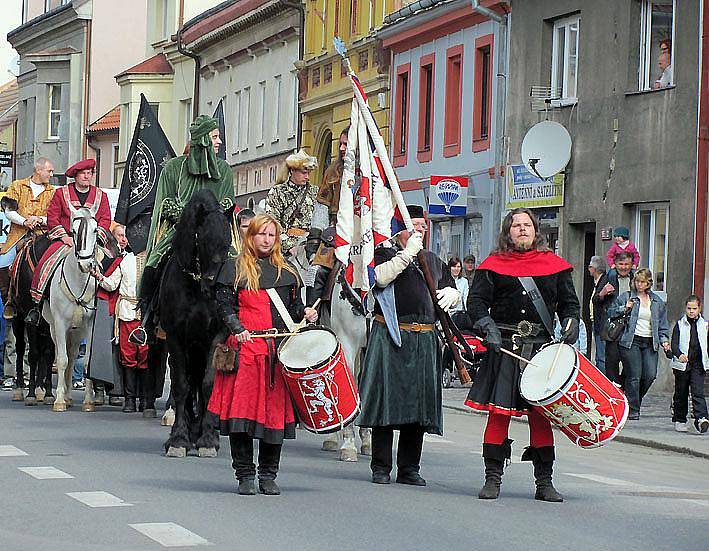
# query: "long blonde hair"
[[248, 270]]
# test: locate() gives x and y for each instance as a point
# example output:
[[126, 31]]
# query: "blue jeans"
[[640, 368], [78, 372], [600, 352]]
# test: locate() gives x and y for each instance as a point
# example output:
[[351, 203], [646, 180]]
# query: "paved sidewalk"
[[654, 429]]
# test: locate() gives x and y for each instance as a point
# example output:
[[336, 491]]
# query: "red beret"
[[78, 167]]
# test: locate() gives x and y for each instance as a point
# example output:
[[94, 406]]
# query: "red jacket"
[[59, 216]]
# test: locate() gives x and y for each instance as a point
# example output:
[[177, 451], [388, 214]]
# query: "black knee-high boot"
[[495, 456], [543, 461], [130, 378], [382, 442], [242, 460], [408, 455], [269, 457]]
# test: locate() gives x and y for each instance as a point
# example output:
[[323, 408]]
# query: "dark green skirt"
[[400, 386]]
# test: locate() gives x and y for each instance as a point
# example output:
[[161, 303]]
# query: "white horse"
[[350, 327], [71, 308]]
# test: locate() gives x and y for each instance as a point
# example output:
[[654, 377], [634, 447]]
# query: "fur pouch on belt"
[[225, 359]]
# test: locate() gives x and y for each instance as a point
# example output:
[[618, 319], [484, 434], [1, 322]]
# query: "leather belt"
[[415, 327]]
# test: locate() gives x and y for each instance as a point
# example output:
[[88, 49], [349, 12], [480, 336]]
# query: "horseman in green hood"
[[179, 180]]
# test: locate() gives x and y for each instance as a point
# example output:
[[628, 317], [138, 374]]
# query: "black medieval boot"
[[382, 442], [408, 455], [129, 389], [242, 455], [146, 385], [543, 461], [269, 456], [495, 456]]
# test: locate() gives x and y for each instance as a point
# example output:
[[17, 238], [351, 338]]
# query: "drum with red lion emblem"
[[562, 384], [318, 378]]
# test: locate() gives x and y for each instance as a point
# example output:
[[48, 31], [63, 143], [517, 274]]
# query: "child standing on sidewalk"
[[691, 361]]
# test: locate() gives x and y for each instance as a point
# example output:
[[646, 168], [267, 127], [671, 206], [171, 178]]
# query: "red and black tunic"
[[254, 399], [497, 292]]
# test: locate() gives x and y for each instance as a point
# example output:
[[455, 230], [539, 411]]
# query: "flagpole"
[[377, 139], [446, 323]]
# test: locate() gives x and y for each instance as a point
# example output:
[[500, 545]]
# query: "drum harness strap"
[[526, 329], [287, 319]]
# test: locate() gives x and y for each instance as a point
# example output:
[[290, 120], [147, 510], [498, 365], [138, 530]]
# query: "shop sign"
[[448, 195], [525, 189]]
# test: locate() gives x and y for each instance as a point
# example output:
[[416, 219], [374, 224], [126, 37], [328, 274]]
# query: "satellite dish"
[[546, 149]]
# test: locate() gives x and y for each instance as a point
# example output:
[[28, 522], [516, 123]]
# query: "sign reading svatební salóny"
[[525, 189], [448, 195]]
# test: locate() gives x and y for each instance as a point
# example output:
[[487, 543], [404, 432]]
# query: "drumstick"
[[558, 351], [517, 357]]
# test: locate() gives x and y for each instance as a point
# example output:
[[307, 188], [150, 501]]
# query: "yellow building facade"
[[325, 96]]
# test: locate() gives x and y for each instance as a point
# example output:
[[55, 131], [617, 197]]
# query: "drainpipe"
[[197, 67], [500, 141], [298, 6], [702, 186], [87, 90]]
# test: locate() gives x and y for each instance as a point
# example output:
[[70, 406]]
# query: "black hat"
[[415, 211]]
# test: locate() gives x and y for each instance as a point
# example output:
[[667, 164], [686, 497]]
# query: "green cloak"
[[176, 187]]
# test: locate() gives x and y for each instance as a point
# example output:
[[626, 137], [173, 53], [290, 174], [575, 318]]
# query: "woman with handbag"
[[647, 331], [252, 401]]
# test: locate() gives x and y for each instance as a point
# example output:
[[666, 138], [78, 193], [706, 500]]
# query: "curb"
[[633, 440]]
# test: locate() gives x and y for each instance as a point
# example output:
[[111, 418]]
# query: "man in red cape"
[[80, 193], [500, 308]]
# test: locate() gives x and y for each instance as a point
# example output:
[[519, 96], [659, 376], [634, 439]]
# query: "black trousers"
[[692, 378], [242, 455], [613, 362], [408, 454]]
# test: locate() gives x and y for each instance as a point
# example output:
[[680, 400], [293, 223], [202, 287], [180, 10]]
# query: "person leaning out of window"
[[646, 332]]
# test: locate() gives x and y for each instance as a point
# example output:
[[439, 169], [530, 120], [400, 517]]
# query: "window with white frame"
[[652, 224], [186, 117], [564, 61], [294, 106], [262, 111], [114, 162], [55, 110], [235, 127], [657, 29], [245, 109], [277, 107], [165, 14]]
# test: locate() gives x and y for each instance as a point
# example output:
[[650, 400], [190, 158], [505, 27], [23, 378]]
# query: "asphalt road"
[[620, 497]]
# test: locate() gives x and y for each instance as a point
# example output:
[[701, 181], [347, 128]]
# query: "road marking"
[[436, 438], [98, 499], [169, 534], [11, 451], [44, 473], [602, 479], [697, 502]]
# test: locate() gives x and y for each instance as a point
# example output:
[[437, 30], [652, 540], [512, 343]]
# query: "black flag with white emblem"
[[148, 153]]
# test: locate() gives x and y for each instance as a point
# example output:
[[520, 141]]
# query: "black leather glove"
[[570, 331], [493, 338], [233, 324]]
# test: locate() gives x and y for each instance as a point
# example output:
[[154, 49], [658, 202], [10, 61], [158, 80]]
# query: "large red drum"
[[566, 387], [316, 374]]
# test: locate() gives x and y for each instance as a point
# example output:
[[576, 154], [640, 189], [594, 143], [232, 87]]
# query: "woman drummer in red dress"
[[253, 402]]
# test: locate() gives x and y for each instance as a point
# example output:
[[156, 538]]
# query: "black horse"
[[39, 339], [188, 316]]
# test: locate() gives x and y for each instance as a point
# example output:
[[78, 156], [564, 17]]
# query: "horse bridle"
[[197, 274]]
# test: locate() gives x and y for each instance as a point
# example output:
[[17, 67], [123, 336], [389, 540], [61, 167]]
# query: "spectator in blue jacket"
[[646, 332]]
